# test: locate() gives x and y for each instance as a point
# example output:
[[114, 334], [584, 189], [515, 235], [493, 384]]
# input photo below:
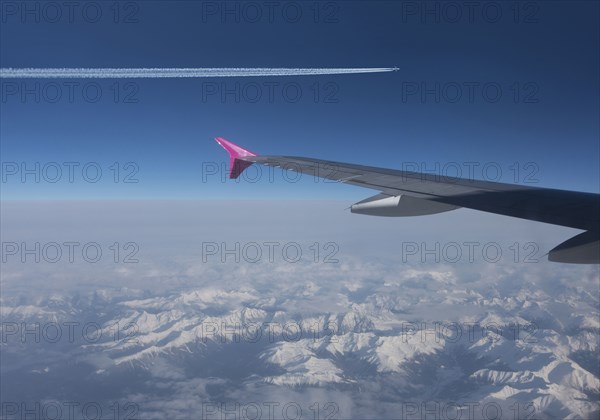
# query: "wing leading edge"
[[405, 193]]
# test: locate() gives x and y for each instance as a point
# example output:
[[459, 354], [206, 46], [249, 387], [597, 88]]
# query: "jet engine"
[[581, 249]]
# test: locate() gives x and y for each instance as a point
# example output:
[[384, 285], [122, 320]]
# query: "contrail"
[[116, 73]]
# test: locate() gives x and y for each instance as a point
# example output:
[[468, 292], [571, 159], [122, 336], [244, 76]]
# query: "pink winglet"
[[236, 165]]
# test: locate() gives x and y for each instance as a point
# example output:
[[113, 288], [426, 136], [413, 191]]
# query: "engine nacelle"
[[581, 249], [399, 206]]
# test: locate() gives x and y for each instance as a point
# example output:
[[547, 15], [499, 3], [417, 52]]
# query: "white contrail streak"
[[115, 73]]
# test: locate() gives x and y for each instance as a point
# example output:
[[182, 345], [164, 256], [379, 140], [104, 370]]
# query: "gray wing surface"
[[573, 209], [404, 193]]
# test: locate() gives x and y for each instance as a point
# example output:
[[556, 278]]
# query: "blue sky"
[[528, 112], [516, 92]]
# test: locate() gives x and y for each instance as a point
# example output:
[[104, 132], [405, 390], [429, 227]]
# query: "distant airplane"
[[404, 193]]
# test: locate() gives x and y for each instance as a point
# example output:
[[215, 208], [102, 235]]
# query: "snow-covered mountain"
[[388, 345]]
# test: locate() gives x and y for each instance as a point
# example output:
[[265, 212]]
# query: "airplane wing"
[[405, 193]]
